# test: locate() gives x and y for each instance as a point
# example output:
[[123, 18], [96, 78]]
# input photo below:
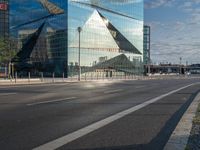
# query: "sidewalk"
[[180, 136], [194, 139], [83, 79], [19, 81], [51, 80]]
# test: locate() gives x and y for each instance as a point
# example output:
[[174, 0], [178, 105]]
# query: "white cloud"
[[178, 38], [125, 1], [149, 4]]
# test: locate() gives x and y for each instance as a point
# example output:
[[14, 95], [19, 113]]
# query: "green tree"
[[6, 51]]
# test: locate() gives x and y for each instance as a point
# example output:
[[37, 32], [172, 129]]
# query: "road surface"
[[114, 115]]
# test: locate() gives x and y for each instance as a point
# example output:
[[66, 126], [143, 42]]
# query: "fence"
[[89, 76]]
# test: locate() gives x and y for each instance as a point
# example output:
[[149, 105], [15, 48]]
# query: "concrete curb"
[[180, 135]]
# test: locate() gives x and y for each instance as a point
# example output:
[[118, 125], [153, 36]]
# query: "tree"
[[6, 51]]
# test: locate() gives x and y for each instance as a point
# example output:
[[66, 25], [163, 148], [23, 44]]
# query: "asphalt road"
[[33, 115]]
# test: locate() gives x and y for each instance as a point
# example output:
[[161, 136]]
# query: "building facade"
[[40, 27], [39, 53], [4, 18], [111, 36], [57, 50], [147, 45]]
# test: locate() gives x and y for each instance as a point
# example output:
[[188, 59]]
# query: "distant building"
[[147, 42], [4, 18]]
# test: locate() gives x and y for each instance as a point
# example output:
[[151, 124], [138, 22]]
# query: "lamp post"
[[79, 53], [180, 66]]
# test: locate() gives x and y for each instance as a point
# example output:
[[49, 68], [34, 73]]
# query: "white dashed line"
[[113, 91], [51, 101], [6, 94]]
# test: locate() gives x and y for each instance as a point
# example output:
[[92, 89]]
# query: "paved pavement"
[[180, 136], [33, 115]]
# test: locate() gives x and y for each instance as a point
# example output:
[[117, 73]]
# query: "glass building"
[[40, 29], [4, 18], [111, 39]]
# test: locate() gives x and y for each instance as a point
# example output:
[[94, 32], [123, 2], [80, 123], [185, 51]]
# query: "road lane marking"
[[113, 91], [139, 86], [6, 94], [88, 129], [51, 101]]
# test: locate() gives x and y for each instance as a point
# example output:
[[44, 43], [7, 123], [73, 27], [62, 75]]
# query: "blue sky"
[[175, 30]]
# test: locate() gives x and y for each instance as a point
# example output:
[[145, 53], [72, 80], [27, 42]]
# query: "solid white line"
[[113, 91], [88, 129], [6, 94], [51, 101]]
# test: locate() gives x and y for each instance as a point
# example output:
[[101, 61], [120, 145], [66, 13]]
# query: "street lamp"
[[79, 53], [180, 66]]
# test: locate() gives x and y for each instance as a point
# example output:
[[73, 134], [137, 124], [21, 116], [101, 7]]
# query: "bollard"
[[71, 76], [42, 77], [63, 76], [53, 80], [29, 76], [15, 77], [10, 78]]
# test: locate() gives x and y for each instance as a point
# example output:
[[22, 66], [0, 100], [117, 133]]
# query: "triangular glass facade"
[[95, 35], [121, 41]]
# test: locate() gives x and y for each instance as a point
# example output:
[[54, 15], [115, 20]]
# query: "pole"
[[9, 69], [13, 69], [79, 54], [180, 65]]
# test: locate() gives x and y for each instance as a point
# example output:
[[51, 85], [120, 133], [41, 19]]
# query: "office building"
[[4, 18], [111, 38], [147, 44], [57, 50], [39, 53], [111, 35]]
